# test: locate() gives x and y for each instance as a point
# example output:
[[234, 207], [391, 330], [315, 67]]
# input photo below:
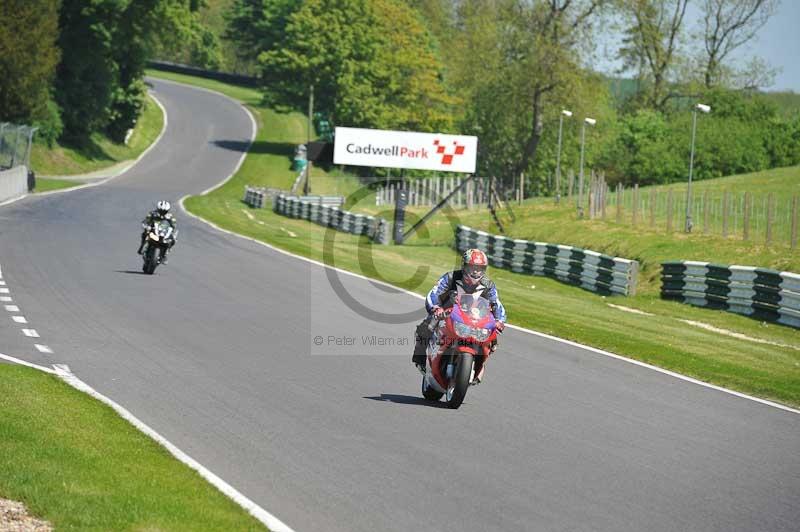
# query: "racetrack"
[[216, 353]]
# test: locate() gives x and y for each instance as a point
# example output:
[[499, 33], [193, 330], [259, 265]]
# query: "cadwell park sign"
[[404, 149]]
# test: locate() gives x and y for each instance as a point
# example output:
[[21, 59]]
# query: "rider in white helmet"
[[161, 212]]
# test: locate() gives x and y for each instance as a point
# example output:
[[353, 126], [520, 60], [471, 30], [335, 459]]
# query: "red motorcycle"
[[459, 349]]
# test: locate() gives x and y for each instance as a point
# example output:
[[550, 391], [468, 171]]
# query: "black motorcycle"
[[160, 236]]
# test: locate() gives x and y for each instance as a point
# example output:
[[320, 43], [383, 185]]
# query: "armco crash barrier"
[[377, 229], [764, 294], [593, 271], [13, 183], [259, 197]]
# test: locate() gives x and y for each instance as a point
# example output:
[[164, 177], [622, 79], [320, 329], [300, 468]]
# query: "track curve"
[[216, 353]]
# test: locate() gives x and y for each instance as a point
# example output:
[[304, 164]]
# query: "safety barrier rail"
[[259, 197], [588, 269], [377, 229], [761, 293]]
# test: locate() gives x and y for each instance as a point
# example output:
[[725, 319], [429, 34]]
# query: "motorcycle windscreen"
[[473, 308]]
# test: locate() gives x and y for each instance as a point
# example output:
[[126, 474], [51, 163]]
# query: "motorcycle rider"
[[161, 212], [470, 279]]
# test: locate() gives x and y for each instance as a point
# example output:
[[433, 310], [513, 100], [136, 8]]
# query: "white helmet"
[[163, 207]]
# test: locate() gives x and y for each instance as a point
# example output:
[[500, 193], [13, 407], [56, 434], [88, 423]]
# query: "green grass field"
[[768, 365], [76, 463], [100, 152], [44, 184]]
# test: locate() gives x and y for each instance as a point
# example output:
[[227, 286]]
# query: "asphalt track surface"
[[216, 353]]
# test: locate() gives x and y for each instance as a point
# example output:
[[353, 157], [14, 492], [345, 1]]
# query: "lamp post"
[[564, 113], [591, 122], [705, 109]]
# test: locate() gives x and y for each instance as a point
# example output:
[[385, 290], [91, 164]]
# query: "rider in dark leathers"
[[161, 212]]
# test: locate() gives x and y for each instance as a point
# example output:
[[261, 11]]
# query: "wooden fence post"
[[770, 217], [725, 213], [619, 203], [669, 211], [653, 207], [706, 207], [635, 215], [794, 222], [746, 217]]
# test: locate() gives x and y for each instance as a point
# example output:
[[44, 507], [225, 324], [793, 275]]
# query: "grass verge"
[[766, 363], [44, 184], [99, 152], [76, 463]]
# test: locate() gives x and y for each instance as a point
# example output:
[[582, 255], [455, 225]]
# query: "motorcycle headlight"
[[462, 329], [481, 334]]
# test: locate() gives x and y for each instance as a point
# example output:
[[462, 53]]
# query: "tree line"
[[504, 70], [76, 67]]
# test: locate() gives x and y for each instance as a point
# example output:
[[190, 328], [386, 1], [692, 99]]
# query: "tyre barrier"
[[259, 197], [761, 293], [588, 269], [377, 229]]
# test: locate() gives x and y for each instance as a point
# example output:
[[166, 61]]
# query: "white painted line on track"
[[63, 372], [43, 349], [4, 291], [2, 283], [104, 181], [25, 363], [12, 308], [19, 319], [272, 522], [418, 296], [6, 299]]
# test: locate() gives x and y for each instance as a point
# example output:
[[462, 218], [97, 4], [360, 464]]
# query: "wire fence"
[[767, 218], [15, 145]]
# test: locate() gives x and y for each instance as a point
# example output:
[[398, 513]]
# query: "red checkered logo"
[[447, 158]]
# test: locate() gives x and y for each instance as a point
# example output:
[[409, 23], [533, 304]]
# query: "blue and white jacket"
[[452, 281]]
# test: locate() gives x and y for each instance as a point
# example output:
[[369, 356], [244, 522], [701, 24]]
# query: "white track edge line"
[[106, 180], [25, 363], [269, 520], [516, 327], [272, 522]]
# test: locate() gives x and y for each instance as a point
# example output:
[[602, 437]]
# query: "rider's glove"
[[437, 312], [500, 326]]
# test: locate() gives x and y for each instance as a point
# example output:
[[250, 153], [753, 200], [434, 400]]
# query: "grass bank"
[[766, 363], [99, 151], [76, 463]]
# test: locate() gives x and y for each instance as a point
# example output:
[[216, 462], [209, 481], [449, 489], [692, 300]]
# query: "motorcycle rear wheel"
[[460, 382]]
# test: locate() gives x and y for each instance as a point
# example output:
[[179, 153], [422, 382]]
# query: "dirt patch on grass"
[[14, 518]]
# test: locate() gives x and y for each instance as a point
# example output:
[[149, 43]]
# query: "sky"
[[778, 42]]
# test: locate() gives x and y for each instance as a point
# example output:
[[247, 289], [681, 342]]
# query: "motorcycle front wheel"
[[460, 381], [150, 260], [429, 393]]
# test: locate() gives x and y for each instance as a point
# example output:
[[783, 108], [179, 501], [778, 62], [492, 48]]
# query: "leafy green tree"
[[28, 59], [256, 26], [105, 45], [371, 62]]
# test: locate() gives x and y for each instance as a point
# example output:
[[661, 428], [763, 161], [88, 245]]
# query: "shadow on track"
[[132, 272], [406, 400]]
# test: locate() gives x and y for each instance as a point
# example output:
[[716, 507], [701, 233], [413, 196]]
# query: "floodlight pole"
[[591, 122], [564, 113], [306, 187], [705, 109]]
